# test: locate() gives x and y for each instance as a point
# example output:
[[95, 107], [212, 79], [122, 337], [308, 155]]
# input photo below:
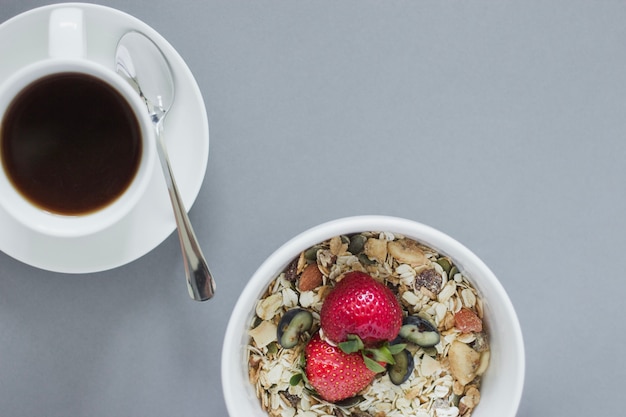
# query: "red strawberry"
[[335, 375], [467, 321], [362, 306]]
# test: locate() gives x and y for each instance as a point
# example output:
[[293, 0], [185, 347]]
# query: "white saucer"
[[23, 39]]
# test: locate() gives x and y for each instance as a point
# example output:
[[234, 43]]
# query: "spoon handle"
[[200, 282]]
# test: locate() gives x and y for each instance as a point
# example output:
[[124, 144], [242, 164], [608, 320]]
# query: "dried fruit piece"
[[464, 362], [310, 278], [292, 324], [376, 249], [420, 331], [408, 252], [467, 321], [291, 271], [429, 279]]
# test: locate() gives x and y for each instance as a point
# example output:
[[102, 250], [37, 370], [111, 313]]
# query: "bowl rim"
[[235, 339]]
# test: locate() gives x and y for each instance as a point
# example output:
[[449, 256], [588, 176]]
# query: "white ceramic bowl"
[[502, 383]]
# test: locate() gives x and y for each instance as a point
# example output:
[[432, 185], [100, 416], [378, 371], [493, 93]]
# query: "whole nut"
[[310, 278]]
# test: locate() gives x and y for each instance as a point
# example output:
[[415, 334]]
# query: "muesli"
[[439, 379]]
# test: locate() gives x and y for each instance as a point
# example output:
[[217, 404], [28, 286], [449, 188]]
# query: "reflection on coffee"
[[70, 143]]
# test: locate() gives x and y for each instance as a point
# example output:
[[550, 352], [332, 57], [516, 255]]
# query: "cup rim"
[[235, 340], [58, 225]]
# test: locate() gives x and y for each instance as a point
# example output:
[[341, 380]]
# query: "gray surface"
[[501, 123]]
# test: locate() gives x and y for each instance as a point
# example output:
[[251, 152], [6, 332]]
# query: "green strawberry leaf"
[[395, 349], [372, 365], [353, 344]]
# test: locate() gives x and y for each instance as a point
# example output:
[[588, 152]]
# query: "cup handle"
[[66, 33]]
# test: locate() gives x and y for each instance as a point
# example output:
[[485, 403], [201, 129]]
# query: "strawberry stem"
[[381, 354], [373, 357]]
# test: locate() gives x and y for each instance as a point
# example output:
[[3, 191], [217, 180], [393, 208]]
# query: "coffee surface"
[[70, 143]]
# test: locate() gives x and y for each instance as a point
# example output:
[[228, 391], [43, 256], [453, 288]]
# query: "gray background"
[[500, 123]]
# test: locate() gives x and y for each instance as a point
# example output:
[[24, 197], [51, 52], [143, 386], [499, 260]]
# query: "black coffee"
[[70, 143]]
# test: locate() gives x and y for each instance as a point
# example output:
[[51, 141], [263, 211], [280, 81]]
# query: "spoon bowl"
[[144, 66]]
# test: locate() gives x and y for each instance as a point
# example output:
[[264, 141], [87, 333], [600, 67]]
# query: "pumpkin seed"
[[445, 264], [311, 253], [357, 243]]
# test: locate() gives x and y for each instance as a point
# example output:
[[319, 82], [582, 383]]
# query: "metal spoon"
[[142, 63]]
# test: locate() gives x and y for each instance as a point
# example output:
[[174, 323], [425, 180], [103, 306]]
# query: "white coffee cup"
[[67, 55]]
